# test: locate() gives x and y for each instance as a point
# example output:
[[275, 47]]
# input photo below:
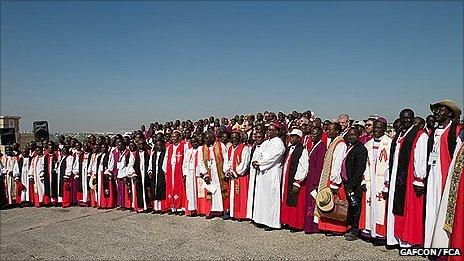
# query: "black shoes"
[[352, 236], [269, 229]]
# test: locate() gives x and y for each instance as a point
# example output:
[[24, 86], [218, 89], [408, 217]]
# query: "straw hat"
[[449, 104], [93, 182], [324, 200]]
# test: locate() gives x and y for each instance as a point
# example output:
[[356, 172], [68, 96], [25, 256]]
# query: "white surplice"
[[267, 192]]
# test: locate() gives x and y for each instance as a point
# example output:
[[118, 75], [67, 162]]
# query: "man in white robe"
[[267, 195], [190, 175], [37, 171], [375, 175], [8, 174], [440, 236], [209, 168], [255, 154], [21, 174], [438, 159]]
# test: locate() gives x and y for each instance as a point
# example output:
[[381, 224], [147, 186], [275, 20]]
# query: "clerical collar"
[[443, 126], [377, 140]]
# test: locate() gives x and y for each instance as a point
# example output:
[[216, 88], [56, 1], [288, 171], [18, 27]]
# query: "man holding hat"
[[316, 162], [441, 146], [293, 187], [331, 181]]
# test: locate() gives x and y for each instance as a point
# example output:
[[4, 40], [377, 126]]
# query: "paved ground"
[[85, 233]]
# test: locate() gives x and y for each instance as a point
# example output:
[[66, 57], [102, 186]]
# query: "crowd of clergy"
[[404, 187]]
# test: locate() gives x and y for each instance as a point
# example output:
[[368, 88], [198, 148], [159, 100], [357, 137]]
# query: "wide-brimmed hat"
[[296, 131], [92, 182], [449, 104], [324, 200]]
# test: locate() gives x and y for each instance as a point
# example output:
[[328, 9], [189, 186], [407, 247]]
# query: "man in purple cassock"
[[316, 162]]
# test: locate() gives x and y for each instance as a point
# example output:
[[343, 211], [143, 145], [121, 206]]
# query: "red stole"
[[307, 142], [445, 157]]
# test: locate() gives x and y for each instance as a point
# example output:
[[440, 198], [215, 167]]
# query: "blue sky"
[[114, 65]]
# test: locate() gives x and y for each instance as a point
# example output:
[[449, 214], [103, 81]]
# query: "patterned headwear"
[[275, 124]]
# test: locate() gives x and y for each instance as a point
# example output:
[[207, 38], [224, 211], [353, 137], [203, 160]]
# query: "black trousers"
[[354, 211]]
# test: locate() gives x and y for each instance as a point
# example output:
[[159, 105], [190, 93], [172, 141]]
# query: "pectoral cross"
[[210, 163]]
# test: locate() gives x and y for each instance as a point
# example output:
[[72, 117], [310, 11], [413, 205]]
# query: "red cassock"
[[331, 225], [50, 177], [18, 184], [175, 189], [136, 188], [127, 194], [410, 226], [67, 192], [65, 183], [107, 195], [127, 187], [203, 203], [240, 184], [79, 157], [293, 213], [334, 225], [457, 234], [107, 189], [31, 181]]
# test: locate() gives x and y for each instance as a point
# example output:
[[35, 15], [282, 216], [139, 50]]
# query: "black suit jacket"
[[355, 161]]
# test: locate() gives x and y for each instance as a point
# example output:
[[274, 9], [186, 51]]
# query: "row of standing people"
[[395, 187]]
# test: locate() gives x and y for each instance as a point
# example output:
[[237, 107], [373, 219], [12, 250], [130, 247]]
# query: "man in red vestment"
[[408, 168], [51, 176], [175, 189], [316, 162], [236, 169], [296, 162], [65, 177], [107, 188], [331, 177]]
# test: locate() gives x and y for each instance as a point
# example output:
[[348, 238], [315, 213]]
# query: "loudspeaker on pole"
[[7, 136], [41, 130]]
